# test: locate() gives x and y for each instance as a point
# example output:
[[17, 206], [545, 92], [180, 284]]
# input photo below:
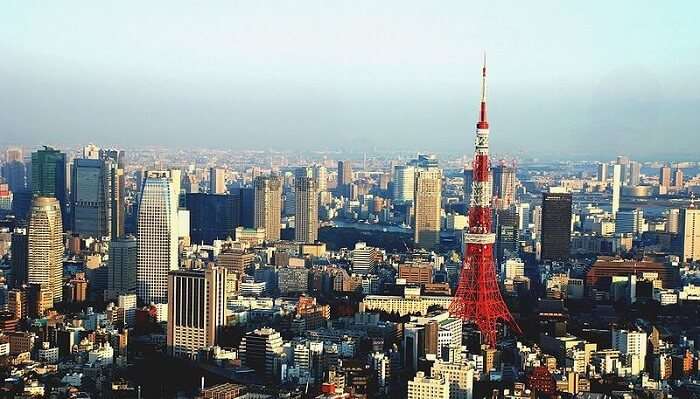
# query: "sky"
[[566, 79]]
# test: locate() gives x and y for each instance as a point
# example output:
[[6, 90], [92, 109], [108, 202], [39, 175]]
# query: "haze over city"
[[589, 80]]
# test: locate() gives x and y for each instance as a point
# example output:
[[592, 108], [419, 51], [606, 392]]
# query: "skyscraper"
[[665, 176], [428, 197], [90, 197], [121, 273], [344, 173], [306, 217], [49, 176], [157, 249], [404, 181], [635, 172], [504, 186], [45, 246], [690, 233], [217, 184], [19, 251], [212, 216], [14, 173], [196, 310], [616, 182], [678, 178], [602, 174], [115, 162], [268, 205], [556, 226]]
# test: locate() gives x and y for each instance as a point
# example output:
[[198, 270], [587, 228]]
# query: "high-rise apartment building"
[[678, 178], [122, 264], [49, 176], [556, 226], [616, 182], [690, 233], [268, 205], [217, 183], [196, 310], [428, 197], [306, 217], [45, 246], [157, 248], [665, 176], [404, 181], [673, 220]]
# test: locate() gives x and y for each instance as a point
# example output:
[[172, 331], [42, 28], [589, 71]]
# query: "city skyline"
[[573, 80]]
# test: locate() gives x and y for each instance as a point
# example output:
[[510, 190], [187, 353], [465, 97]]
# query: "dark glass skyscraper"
[[247, 208], [90, 198], [556, 226], [49, 176], [212, 216]]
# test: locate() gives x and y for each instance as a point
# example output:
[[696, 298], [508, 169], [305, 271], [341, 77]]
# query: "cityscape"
[[353, 268]]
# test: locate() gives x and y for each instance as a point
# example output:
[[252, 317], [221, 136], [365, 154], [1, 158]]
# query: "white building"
[[364, 258], [423, 387], [404, 181], [459, 376], [157, 252], [616, 182], [103, 354], [632, 346]]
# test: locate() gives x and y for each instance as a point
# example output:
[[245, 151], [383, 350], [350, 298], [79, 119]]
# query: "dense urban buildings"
[[277, 220]]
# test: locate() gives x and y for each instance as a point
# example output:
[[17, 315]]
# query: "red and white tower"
[[478, 298]]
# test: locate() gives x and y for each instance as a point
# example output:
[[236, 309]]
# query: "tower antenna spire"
[[483, 123]]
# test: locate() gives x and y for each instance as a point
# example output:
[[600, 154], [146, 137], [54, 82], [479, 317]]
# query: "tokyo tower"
[[478, 298]]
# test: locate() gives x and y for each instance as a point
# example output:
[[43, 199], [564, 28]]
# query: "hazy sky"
[[578, 78]]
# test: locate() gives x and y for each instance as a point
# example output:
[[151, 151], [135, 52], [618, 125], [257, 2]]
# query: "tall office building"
[[217, 184], [259, 350], [157, 248], [629, 221], [268, 205], [602, 174], [306, 217], [246, 217], [49, 177], [122, 264], [504, 186], [14, 154], [665, 176], [404, 181], [634, 173], [616, 182], [196, 310], [115, 165], [690, 233], [91, 197], [428, 197], [15, 173], [45, 246], [556, 226], [320, 173], [344, 173], [507, 235], [19, 251], [212, 216]]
